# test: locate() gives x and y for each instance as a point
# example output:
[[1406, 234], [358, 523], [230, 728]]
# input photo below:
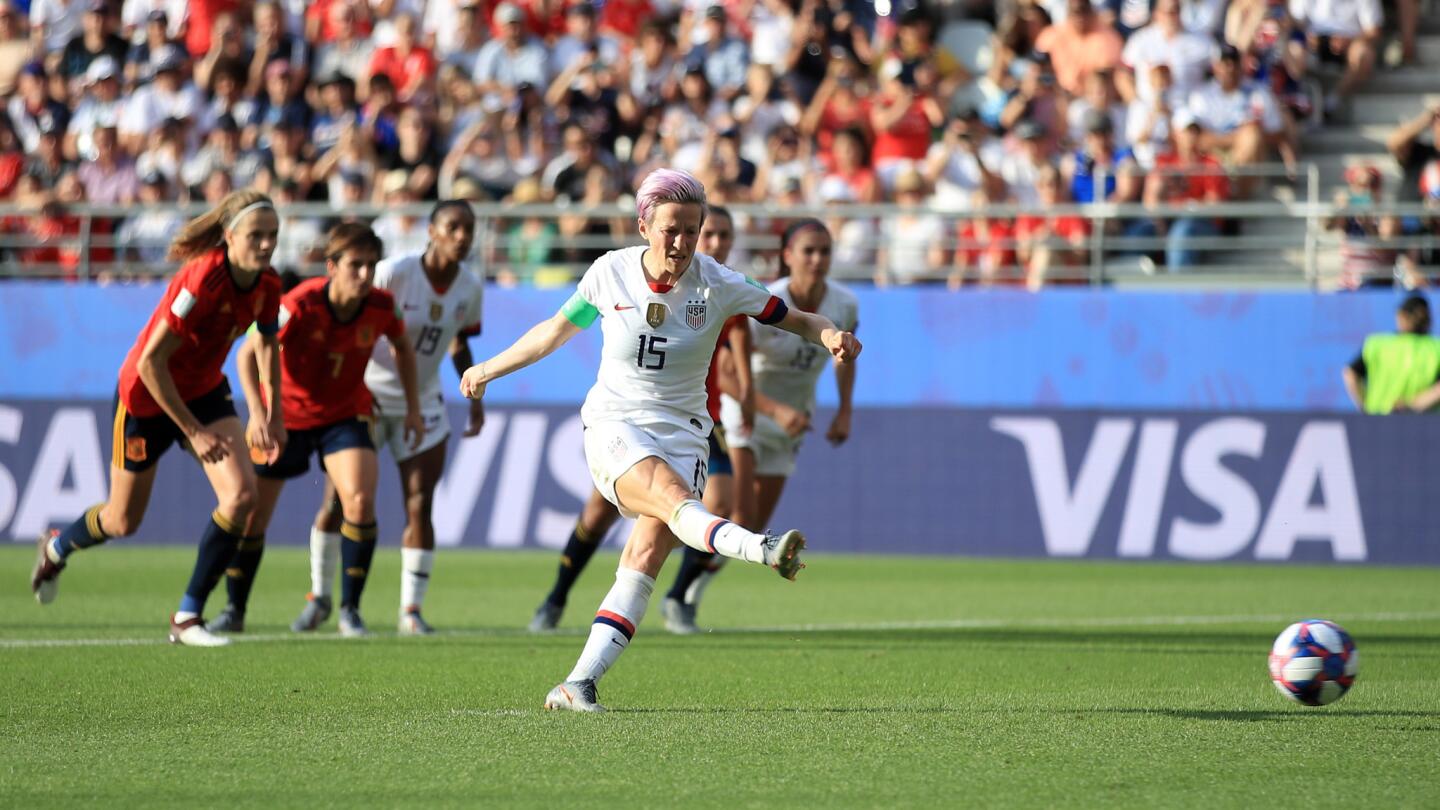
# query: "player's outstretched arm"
[[843, 346], [542, 339]]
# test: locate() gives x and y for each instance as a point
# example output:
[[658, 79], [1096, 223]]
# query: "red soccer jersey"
[[712, 377], [208, 310], [322, 359]]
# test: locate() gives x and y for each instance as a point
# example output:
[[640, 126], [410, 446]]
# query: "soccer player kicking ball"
[[173, 389], [661, 308], [329, 328]]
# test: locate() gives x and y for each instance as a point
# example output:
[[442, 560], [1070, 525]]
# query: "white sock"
[[697, 528], [324, 560], [415, 565], [615, 623], [696, 591]]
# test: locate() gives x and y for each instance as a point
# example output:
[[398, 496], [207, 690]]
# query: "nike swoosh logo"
[[617, 643], [619, 308]]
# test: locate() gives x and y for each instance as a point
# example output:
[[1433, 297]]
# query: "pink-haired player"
[[661, 307]]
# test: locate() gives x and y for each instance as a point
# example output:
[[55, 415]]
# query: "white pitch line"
[[938, 624]]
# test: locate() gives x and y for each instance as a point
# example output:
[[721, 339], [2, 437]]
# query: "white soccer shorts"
[[613, 447], [390, 430]]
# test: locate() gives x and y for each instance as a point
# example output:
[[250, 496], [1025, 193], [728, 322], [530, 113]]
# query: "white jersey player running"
[[786, 371], [661, 307], [439, 295]]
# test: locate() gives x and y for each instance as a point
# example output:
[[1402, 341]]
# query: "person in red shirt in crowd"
[[200, 23], [731, 360], [622, 18], [986, 245], [902, 118], [172, 389], [328, 330], [1043, 241], [842, 101], [321, 26], [409, 65], [1185, 176], [850, 170]]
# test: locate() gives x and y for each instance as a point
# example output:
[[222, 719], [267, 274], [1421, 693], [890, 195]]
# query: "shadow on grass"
[[1199, 641], [788, 710], [1263, 716]]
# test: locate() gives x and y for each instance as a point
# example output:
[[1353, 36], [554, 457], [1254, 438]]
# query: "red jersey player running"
[[328, 330], [172, 390]]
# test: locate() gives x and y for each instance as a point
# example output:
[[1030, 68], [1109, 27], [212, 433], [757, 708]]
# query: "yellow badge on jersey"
[[366, 335], [437, 310], [655, 314]]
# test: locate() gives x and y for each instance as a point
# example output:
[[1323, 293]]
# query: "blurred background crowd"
[[943, 109]]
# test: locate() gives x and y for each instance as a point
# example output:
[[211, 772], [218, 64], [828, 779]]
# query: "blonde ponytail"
[[207, 231]]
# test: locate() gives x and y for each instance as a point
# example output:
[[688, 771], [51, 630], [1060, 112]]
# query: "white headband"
[[255, 206]]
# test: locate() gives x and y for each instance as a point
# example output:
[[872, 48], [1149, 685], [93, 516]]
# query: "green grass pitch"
[[872, 682]]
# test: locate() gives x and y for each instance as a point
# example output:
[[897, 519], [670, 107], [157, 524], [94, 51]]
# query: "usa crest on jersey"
[[695, 315]]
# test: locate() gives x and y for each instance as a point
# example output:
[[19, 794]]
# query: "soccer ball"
[[1314, 662]]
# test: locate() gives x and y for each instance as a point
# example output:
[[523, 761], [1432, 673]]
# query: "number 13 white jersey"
[[432, 320], [658, 341], [786, 366]]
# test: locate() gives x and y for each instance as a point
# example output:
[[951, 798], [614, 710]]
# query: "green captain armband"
[[580, 312], [757, 285]]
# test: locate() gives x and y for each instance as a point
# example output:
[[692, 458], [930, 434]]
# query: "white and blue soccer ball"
[[1314, 662]]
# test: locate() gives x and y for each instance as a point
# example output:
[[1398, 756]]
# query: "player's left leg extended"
[[419, 475], [620, 613], [236, 491], [355, 472]]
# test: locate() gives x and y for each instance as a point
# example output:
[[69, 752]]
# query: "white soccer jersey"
[[657, 342], [432, 320], [787, 367]]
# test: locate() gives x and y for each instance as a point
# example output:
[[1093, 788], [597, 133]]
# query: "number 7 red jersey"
[[323, 359]]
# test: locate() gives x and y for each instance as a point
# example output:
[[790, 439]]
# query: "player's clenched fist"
[[843, 345], [472, 383]]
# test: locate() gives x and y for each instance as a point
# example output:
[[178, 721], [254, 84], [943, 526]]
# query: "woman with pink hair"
[[661, 306]]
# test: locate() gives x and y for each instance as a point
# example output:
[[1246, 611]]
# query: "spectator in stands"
[[285, 159], [985, 247], [14, 46], [459, 42], [32, 109], [962, 162], [349, 50], [1164, 42], [587, 238], [324, 24], [53, 23], [227, 99], [349, 164], [169, 96], [850, 178], [528, 243], [1027, 157], [789, 159], [409, 65], [100, 103], [228, 51], [1147, 122], [1366, 255], [585, 94], [46, 161], [1342, 33], [722, 56], [223, 152], [12, 160], [582, 36], [109, 177], [480, 154], [1100, 94], [722, 164], [281, 100], [338, 111], [686, 122], [564, 178], [510, 60], [624, 19], [1079, 44], [1184, 176], [1397, 373], [652, 77], [761, 110], [417, 155], [272, 43], [400, 230], [96, 39], [1045, 241], [1409, 147], [1274, 56], [915, 45], [1240, 122], [216, 186], [842, 101], [902, 119], [1036, 100], [1098, 155], [164, 151], [911, 241], [145, 237]]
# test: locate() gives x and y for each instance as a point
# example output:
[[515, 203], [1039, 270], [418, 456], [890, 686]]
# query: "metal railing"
[[1303, 242]]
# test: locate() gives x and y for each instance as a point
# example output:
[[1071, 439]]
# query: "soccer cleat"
[[351, 625], [45, 578], [782, 552], [230, 620], [547, 616], [192, 633], [679, 617], [413, 624], [575, 696], [317, 610]]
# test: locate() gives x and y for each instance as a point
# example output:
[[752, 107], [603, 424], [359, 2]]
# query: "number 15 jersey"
[[432, 320], [658, 339]]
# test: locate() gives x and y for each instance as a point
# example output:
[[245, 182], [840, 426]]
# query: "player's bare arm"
[[461, 357], [542, 339], [740, 346], [818, 329], [845, 386], [265, 431], [154, 369], [404, 353]]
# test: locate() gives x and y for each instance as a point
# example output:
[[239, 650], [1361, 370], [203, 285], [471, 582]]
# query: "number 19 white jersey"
[[658, 341], [432, 320]]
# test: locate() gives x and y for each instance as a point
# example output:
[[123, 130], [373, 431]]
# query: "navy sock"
[[692, 565], [578, 551], [356, 552], [85, 532], [217, 549], [240, 576]]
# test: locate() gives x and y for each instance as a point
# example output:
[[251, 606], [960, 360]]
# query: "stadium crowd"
[[815, 103]]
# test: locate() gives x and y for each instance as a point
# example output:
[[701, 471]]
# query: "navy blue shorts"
[[719, 454], [140, 441], [321, 441]]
